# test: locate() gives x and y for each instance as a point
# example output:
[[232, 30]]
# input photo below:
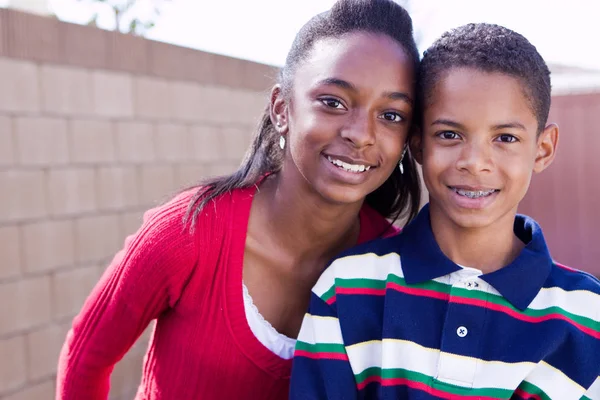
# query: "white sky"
[[262, 30]]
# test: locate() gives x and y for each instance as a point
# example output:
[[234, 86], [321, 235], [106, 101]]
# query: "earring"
[[402, 158], [281, 142]]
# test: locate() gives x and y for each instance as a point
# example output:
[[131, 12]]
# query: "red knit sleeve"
[[144, 279]]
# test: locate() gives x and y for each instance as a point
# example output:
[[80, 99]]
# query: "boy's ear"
[[546, 147], [416, 145]]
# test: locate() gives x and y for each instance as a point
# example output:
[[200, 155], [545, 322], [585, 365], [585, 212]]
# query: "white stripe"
[[594, 390], [390, 354], [555, 383], [578, 302], [361, 266], [317, 329]]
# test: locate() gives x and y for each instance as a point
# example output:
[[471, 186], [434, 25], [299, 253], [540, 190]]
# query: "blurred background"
[[107, 107]]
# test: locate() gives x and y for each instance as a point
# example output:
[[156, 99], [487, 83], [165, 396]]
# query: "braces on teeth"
[[474, 194]]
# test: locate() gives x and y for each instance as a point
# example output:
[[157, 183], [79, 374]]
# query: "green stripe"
[[532, 389], [464, 293], [429, 381], [321, 347], [328, 294]]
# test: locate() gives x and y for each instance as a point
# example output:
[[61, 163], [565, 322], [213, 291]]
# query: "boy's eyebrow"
[[349, 86], [448, 122], [516, 125], [508, 125]]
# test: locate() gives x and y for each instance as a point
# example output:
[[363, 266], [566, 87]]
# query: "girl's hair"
[[399, 196]]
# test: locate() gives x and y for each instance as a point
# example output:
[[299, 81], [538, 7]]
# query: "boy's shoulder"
[[372, 260], [571, 279]]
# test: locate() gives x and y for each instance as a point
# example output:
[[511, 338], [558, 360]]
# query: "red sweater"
[[202, 346]]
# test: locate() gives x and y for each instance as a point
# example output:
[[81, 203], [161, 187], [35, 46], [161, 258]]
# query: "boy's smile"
[[479, 147]]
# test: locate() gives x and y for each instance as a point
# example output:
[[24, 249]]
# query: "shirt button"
[[462, 331]]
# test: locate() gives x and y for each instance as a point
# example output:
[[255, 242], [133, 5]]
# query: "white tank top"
[[278, 343]]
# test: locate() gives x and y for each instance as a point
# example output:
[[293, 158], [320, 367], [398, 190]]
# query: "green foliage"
[[125, 10]]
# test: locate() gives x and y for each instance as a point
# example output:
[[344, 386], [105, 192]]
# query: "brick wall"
[[96, 127]]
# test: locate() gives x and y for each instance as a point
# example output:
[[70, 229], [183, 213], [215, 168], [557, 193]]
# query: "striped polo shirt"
[[396, 319]]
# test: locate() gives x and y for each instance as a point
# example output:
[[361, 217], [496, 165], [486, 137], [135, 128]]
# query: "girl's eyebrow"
[[342, 84]]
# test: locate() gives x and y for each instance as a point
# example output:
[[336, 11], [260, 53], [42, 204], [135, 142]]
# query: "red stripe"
[[565, 267], [419, 386], [319, 356], [396, 287], [419, 292], [330, 300], [523, 317], [361, 291], [527, 396]]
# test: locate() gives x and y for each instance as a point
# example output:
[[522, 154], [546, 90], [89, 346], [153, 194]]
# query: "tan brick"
[[173, 142], [71, 288], [126, 375], [23, 195], [10, 249], [97, 237], [40, 391], [217, 105], [7, 142], [92, 141], [66, 90], [117, 187], [20, 86], [220, 169], [187, 175], [71, 191], [48, 245], [41, 141], [152, 98], [113, 94], [158, 183], [43, 348], [135, 142], [189, 101], [27, 304], [13, 364], [206, 143], [130, 222], [235, 142]]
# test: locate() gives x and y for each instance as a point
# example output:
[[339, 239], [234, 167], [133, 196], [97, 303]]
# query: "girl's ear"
[[278, 110]]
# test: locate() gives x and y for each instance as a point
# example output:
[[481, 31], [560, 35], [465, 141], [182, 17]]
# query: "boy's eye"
[[391, 116], [333, 103], [506, 138], [448, 135]]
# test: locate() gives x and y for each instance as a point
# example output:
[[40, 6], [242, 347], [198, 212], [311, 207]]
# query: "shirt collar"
[[519, 282]]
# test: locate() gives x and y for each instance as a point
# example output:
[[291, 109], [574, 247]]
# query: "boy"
[[466, 303]]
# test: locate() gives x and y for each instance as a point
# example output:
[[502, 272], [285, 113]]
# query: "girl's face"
[[348, 115]]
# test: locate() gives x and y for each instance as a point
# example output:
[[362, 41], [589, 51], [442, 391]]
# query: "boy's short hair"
[[489, 48]]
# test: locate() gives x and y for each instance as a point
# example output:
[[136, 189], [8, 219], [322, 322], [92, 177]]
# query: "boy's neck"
[[486, 248]]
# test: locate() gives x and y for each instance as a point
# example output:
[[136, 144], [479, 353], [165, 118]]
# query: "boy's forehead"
[[476, 95]]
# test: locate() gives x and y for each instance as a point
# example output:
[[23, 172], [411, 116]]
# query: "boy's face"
[[479, 147]]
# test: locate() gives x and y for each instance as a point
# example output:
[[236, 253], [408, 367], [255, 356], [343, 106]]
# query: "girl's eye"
[[333, 103], [392, 117], [448, 135], [506, 138]]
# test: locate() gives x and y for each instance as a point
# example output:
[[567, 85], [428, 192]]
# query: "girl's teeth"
[[348, 167]]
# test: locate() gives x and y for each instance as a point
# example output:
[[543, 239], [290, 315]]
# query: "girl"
[[227, 268]]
